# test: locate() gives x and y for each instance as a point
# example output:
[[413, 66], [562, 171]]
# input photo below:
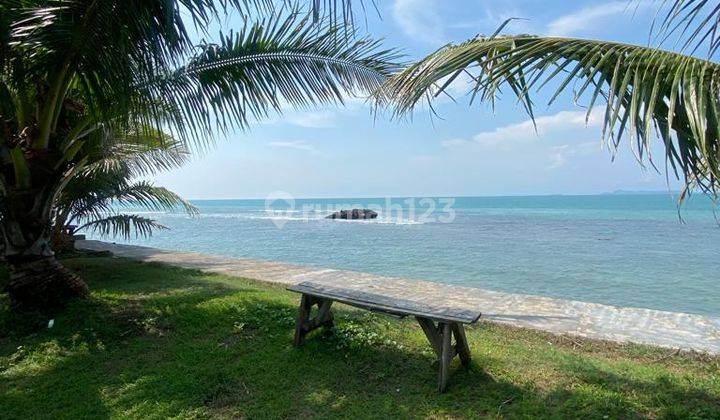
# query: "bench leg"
[[440, 337], [445, 356], [302, 319], [305, 324], [461, 346], [432, 334]]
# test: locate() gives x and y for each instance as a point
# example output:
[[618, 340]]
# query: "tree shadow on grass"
[[672, 398], [180, 347], [118, 337], [120, 275], [120, 289]]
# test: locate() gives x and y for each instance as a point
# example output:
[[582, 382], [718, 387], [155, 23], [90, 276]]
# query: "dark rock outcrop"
[[354, 214]]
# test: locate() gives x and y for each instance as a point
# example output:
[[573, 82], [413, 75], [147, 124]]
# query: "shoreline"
[[674, 330]]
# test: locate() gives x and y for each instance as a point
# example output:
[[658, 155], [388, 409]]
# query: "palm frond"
[[123, 225], [94, 201], [695, 22], [276, 60], [147, 196], [137, 152], [104, 48], [341, 13], [104, 185], [647, 92]]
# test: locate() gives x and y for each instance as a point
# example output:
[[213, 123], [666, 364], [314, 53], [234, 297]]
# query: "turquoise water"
[[621, 249]]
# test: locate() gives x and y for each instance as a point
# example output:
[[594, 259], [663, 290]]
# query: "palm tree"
[[648, 93], [74, 72], [95, 198]]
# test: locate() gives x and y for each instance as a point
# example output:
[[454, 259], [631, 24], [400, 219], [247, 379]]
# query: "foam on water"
[[284, 215]]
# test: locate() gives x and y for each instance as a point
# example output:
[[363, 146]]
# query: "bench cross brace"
[[440, 336], [305, 324]]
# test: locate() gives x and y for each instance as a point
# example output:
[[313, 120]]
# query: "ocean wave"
[[292, 216], [276, 217], [142, 212], [307, 218], [380, 221]]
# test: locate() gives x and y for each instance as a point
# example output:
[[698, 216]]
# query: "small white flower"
[[51, 323]]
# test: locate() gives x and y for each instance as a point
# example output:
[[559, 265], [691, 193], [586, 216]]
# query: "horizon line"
[[616, 192]]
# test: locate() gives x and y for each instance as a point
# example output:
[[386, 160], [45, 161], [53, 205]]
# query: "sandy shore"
[[605, 322]]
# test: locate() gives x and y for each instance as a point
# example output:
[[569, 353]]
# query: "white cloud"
[[563, 153], [419, 19], [523, 132], [453, 143], [310, 119], [590, 17], [557, 157], [301, 146], [559, 154], [297, 145], [322, 117]]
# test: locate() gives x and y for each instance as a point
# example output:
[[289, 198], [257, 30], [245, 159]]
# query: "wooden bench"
[[430, 303]]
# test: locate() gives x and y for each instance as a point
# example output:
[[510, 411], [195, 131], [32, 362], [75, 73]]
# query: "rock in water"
[[353, 214]]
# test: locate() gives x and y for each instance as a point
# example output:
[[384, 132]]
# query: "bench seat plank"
[[422, 299]]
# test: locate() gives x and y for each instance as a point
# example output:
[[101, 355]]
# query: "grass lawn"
[[156, 341]]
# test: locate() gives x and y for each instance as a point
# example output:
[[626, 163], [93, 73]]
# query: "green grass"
[[160, 342]]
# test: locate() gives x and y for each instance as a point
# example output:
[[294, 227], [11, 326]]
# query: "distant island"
[[628, 192]]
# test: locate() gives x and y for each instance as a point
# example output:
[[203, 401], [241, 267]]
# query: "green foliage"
[[157, 341], [122, 225], [96, 197], [357, 335], [275, 59], [648, 93], [118, 79], [133, 63]]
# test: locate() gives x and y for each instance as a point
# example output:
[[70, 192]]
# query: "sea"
[[625, 249]]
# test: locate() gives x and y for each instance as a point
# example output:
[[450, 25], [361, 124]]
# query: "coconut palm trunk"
[[76, 75], [37, 279]]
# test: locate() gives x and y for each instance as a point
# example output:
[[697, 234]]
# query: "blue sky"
[[346, 152]]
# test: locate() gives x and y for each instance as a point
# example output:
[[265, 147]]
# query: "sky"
[[465, 151]]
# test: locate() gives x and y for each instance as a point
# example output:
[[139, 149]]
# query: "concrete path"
[[605, 322]]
